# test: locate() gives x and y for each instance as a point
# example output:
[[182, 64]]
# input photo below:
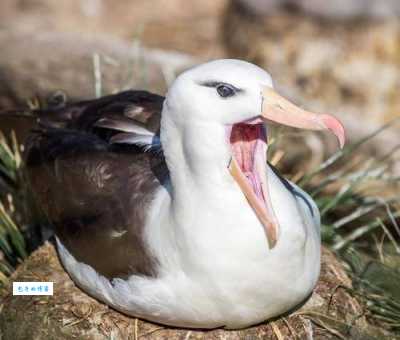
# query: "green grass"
[[360, 223], [12, 195]]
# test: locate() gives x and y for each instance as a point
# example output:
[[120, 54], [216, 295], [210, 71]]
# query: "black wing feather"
[[96, 193]]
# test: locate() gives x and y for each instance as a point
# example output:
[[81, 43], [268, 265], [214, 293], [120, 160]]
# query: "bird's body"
[[169, 211], [223, 274]]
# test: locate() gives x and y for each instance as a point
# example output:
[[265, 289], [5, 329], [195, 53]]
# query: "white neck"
[[197, 156]]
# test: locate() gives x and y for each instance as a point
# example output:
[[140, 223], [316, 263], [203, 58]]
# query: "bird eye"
[[225, 90]]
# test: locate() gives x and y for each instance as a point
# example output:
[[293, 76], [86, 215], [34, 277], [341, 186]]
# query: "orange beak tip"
[[334, 125]]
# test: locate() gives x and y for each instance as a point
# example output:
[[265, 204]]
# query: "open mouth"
[[248, 141], [248, 166], [249, 147]]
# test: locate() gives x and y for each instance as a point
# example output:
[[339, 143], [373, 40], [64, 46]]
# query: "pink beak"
[[282, 111], [277, 109]]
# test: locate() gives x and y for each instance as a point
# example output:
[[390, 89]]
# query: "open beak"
[[249, 146]]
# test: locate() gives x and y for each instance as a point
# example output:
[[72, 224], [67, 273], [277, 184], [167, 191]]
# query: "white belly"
[[218, 272]]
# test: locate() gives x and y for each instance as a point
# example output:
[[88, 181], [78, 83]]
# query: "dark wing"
[[96, 192]]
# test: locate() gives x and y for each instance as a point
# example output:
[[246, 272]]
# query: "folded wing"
[[90, 169]]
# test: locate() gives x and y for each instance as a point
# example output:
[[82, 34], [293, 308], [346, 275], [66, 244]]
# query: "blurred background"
[[341, 57]]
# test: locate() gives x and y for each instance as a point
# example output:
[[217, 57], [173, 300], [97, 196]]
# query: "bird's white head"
[[223, 91], [214, 122]]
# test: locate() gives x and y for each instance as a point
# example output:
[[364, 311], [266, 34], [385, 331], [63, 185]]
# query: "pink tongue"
[[243, 141], [249, 149], [246, 143]]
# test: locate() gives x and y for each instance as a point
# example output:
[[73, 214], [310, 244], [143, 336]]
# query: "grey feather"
[[147, 142], [123, 125]]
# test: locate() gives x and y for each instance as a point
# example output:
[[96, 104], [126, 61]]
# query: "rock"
[[339, 9], [179, 25], [71, 314], [36, 63]]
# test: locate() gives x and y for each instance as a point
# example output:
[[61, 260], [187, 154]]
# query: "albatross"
[[167, 209]]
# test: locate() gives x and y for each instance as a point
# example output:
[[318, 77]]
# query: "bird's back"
[[93, 190]]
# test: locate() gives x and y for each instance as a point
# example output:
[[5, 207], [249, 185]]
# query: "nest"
[[331, 311]]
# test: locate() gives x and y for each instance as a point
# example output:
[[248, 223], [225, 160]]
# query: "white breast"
[[218, 271]]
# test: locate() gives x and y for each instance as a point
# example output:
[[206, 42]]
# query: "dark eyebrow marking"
[[215, 83]]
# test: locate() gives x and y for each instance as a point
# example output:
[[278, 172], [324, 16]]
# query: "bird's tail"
[[18, 122], [23, 121]]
